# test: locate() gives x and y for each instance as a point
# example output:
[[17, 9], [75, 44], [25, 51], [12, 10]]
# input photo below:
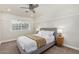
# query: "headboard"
[[50, 29]]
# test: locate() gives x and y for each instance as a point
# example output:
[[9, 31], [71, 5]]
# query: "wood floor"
[[11, 48]]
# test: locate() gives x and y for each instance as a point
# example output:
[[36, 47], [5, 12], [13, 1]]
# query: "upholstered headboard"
[[50, 29]]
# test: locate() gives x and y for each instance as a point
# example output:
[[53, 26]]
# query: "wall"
[[0, 28], [65, 17], [5, 27]]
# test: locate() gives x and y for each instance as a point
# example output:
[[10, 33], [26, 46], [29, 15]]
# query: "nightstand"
[[59, 40]]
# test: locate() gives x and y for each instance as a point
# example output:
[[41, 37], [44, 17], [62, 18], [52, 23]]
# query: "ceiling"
[[15, 9], [42, 9]]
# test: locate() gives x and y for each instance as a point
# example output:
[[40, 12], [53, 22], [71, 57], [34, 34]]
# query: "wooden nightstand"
[[59, 40]]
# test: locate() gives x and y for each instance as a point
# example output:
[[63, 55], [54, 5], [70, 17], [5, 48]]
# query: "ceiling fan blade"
[[32, 6], [36, 5], [24, 7], [33, 11]]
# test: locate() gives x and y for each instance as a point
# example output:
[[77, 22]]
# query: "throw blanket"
[[39, 40]]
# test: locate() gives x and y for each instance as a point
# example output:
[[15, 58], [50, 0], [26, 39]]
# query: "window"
[[20, 25]]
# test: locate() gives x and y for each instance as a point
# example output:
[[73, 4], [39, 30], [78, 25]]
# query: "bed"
[[20, 43]]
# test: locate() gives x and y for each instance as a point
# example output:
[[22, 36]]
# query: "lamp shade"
[[59, 30]]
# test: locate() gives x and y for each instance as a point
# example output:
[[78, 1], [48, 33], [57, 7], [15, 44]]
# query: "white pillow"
[[49, 33]]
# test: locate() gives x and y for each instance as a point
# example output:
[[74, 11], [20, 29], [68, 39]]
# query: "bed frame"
[[40, 50]]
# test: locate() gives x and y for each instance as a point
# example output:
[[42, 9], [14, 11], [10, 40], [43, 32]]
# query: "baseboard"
[[71, 47], [7, 41]]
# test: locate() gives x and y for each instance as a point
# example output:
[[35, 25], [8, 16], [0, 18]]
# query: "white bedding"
[[30, 45], [27, 44]]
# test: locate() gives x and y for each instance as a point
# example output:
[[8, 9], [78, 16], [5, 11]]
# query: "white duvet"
[[30, 45]]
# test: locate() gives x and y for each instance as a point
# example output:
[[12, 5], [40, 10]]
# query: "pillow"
[[49, 33]]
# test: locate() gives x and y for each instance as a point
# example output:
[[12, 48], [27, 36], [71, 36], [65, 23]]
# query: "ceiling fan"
[[31, 7]]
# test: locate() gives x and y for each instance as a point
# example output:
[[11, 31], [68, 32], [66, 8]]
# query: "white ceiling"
[[15, 9], [43, 8]]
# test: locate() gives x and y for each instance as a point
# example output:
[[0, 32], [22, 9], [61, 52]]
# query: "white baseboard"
[[7, 41], [71, 47]]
